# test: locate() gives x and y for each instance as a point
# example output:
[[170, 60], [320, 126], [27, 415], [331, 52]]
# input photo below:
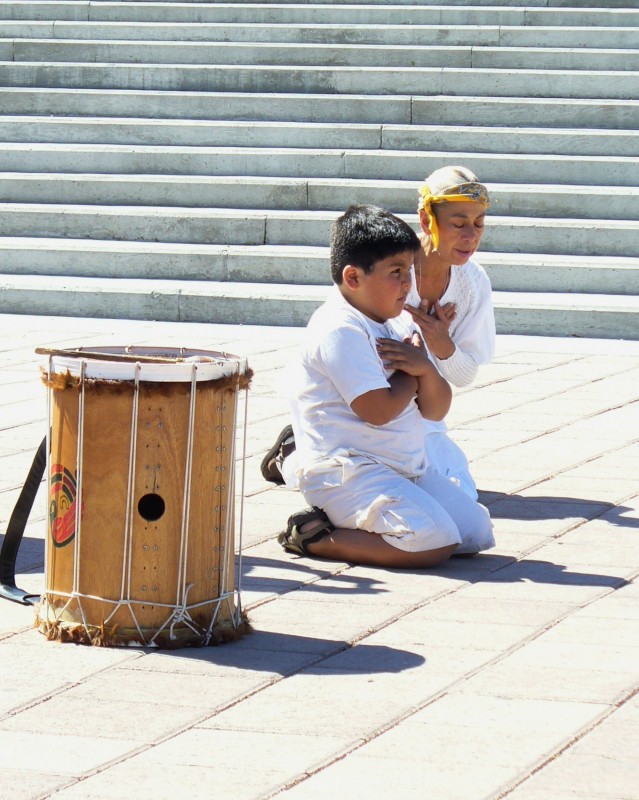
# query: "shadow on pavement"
[[484, 567], [287, 654], [515, 506]]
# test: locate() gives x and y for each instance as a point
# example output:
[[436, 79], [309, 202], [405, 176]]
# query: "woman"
[[451, 298], [451, 303]]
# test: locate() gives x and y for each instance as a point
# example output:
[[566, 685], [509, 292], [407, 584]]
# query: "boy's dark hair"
[[365, 234]]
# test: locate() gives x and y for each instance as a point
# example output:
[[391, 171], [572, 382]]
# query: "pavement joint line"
[[537, 369], [61, 689], [577, 524], [527, 399], [549, 431], [613, 708], [563, 469], [35, 701], [534, 368], [558, 473]]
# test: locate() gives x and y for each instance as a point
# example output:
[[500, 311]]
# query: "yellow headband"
[[471, 190]]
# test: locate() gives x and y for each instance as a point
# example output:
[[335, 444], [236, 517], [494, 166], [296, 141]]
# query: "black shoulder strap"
[[15, 531]]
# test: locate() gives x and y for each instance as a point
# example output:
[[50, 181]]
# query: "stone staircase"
[[184, 161]]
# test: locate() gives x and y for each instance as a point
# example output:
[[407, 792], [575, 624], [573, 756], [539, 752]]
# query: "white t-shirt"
[[339, 362]]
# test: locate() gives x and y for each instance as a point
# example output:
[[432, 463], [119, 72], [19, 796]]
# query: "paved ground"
[[514, 674]]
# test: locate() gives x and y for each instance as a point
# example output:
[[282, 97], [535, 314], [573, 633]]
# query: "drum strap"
[[15, 531]]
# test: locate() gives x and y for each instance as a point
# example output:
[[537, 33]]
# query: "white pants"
[[447, 458], [442, 454], [415, 515]]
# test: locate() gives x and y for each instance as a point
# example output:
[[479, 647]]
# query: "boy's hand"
[[410, 355], [435, 327]]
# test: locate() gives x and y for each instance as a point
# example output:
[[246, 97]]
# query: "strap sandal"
[[294, 540], [271, 466]]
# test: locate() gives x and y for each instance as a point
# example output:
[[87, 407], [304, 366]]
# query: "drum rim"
[[214, 364]]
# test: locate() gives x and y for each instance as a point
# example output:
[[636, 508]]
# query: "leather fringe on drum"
[[108, 636]]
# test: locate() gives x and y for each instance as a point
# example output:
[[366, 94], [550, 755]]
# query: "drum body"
[[141, 492]]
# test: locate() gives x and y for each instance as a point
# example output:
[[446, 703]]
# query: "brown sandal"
[[296, 541], [271, 466]]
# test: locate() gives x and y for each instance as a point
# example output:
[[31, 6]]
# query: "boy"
[[359, 391]]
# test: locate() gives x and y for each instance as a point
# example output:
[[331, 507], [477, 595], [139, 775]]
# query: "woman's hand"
[[435, 327], [445, 313]]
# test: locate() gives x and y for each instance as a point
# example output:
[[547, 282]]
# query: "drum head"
[[159, 364]]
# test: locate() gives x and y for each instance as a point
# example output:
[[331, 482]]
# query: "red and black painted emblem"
[[62, 508]]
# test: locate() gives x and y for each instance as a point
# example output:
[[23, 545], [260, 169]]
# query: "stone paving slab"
[[511, 675]]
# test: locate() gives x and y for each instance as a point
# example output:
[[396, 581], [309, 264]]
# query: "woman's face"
[[460, 225]]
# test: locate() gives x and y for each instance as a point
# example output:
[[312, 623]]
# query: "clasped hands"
[[410, 356]]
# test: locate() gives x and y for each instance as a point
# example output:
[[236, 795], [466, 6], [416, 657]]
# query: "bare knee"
[[426, 558]]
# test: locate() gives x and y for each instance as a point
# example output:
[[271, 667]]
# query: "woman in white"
[[450, 301], [451, 298]]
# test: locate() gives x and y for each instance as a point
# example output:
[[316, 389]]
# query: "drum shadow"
[[288, 654], [540, 507]]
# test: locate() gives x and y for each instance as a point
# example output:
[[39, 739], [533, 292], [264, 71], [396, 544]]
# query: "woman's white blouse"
[[473, 329]]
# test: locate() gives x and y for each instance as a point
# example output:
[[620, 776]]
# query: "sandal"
[[271, 466], [296, 541]]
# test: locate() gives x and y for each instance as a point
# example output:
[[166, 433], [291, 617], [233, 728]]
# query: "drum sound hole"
[[151, 507]]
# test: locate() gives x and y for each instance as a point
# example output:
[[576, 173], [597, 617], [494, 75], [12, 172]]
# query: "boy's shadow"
[[515, 506], [487, 568], [484, 567]]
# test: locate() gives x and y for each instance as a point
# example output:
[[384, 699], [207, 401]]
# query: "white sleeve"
[[348, 357], [473, 337]]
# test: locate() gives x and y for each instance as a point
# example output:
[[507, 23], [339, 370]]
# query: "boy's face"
[[381, 293]]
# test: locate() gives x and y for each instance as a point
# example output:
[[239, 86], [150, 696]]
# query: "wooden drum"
[[141, 491]]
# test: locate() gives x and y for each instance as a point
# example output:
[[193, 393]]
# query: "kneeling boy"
[[359, 390]]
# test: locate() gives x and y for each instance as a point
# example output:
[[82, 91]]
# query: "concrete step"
[[568, 111], [192, 191], [414, 35], [291, 54], [339, 109], [315, 163], [517, 272], [291, 264], [168, 300], [618, 238], [263, 13], [601, 316], [529, 3], [421, 35], [154, 104], [560, 83], [207, 133]]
